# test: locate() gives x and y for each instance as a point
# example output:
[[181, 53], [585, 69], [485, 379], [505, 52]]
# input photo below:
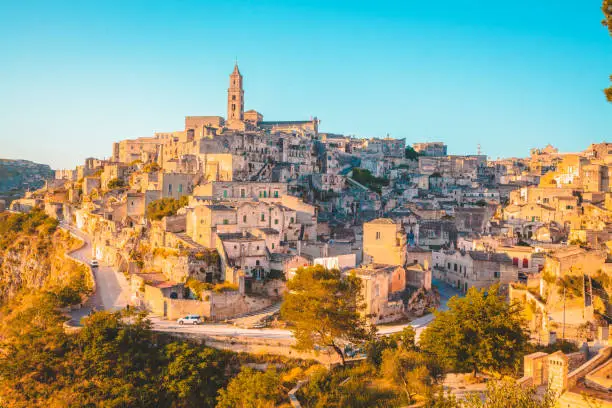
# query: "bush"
[[115, 184], [365, 177], [163, 207]]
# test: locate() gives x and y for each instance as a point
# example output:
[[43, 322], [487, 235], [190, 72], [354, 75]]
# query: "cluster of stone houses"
[[263, 198]]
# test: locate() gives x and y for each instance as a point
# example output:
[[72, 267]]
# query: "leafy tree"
[[193, 375], [606, 7], [478, 332], [252, 389], [375, 347], [151, 167], [504, 394], [365, 177], [346, 387], [116, 183], [158, 209], [323, 308], [408, 370], [411, 153]]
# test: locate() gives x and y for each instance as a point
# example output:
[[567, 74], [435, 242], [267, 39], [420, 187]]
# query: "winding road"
[[112, 288]]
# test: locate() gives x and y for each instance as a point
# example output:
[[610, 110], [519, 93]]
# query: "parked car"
[[94, 263], [190, 319]]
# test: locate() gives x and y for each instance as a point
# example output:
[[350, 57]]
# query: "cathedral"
[[251, 120]]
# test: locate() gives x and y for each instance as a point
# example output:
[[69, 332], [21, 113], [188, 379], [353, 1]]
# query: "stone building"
[[479, 269], [384, 242], [381, 287]]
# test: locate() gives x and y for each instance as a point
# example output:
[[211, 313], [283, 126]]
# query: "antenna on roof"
[[478, 150]]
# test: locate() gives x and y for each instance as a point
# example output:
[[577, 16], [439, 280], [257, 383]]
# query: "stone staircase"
[[255, 319]]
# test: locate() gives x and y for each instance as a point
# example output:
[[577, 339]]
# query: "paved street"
[[112, 288], [446, 292], [113, 294]]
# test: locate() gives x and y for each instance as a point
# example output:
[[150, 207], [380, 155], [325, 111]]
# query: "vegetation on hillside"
[[158, 209], [32, 256], [411, 154], [323, 308], [365, 177], [480, 332], [115, 184]]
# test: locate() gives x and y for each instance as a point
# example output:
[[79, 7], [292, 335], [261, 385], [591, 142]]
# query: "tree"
[[158, 209], [193, 374], [606, 7], [323, 308], [408, 370], [116, 183], [375, 347], [478, 332], [502, 394], [252, 389], [411, 153]]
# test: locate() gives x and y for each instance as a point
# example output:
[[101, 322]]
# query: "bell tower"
[[235, 96]]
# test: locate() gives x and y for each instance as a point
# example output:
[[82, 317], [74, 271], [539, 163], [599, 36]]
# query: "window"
[[258, 247], [180, 189], [525, 263], [233, 97], [377, 234], [265, 194], [496, 275], [257, 263], [169, 188], [515, 261], [224, 193], [455, 268], [276, 194], [273, 245], [275, 222], [244, 218], [448, 265], [233, 106], [225, 222], [263, 217], [292, 220], [242, 193]]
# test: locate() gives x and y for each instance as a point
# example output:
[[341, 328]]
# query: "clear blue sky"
[[510, 75]]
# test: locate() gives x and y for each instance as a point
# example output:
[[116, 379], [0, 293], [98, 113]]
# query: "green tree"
[[323, 308], [606, 7], [411, 153], [158, 209], [375, 347], [479, 332], [253, 389], [407, 370], [502, 394], [115, 184], [193, 374]]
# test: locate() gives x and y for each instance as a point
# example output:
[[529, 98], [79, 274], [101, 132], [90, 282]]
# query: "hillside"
[[18, 176], [32, 257]]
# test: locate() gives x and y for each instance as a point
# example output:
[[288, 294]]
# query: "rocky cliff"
[[32, 256]]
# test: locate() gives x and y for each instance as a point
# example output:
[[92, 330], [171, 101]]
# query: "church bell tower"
[[235, 96]]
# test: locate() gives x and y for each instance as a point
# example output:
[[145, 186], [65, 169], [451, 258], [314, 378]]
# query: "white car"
[[94, 263], [190, 319]]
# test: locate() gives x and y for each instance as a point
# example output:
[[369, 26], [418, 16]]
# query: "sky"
[[77, 76]]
